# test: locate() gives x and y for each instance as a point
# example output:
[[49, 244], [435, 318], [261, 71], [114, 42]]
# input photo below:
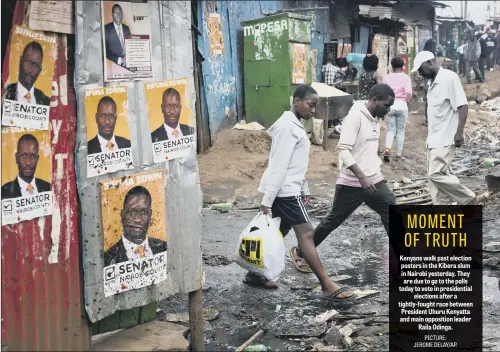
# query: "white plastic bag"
[[261, 248]]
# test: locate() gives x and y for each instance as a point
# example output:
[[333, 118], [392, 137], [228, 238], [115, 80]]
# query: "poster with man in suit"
[[108, 133], [28, 88], [135, 237], [26, 176], [170, 119], [126, 36]]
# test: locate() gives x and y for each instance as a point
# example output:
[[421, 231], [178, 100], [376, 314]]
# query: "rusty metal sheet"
[[171, 46], [42, 297]]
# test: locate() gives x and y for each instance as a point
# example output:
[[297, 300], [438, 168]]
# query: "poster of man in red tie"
[[26, 190], [28, 88], [135, 236], [108, 132], [170, 119], [126, 33]]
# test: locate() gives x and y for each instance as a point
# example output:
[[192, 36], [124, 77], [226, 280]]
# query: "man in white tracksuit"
[[286, 193]]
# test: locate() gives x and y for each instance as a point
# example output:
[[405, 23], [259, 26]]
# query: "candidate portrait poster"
[[126, 35], [108, 134], [170, 119], [26, 102], [26, 176], [135, 235]]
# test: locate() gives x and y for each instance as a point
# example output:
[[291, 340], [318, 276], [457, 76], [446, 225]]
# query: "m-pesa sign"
[[266, 27]]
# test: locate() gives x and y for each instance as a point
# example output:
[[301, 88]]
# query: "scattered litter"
[[257, 348], [278, 308], [347, 243], [210, 314], [215, 260], [348, 329], [415, 112], [251, 126], [326, 316], [406, 180], [365, 293], [341, 278], [222, 207], [396, 185], [348, 341], [490, 162]]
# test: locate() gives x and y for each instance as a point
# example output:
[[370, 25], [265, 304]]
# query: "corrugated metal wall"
[[42, 300], [414, 12], [172, 54]]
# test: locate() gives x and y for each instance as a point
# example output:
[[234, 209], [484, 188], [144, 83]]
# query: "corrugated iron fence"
[[42, 301]]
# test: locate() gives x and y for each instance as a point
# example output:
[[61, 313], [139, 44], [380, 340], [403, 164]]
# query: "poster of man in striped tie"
[[170, 119], [108, 133], [29, 84], [27, 194], [135, 238], [126, 32]]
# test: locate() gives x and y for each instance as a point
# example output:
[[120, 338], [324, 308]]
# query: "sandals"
[[299, 262], [335, 295], [252, 279], [387, 154]]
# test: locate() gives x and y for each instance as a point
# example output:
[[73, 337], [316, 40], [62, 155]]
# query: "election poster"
[[170, 119], [126, 35], [52, 16], [108, 133], [29, 85], [299, 63], [135, 235], [215, 37], [26, 176]]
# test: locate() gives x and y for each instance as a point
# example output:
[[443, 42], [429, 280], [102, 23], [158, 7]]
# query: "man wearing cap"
[[447, 113], [491, 44]]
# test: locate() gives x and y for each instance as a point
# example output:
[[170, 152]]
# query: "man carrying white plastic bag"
[[261, 249], [286, 192]]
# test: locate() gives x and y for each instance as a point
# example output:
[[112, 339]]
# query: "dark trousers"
[[461, 64], [482, 65], [347, 200], [491, 59]]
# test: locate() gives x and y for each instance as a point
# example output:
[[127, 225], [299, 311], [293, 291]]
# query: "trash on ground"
[[222, 207], [326, 316], [364, 293], [251, 126]]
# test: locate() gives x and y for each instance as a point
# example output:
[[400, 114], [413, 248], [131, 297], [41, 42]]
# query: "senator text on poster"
[[29, 85], [108, 133], [170, 119], [135, 236], [126, 35], [26, 176]]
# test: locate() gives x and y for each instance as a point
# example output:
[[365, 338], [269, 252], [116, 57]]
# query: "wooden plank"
[[196, 322]]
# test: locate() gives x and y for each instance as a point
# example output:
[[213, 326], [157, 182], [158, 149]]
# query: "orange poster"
[[215, 37], [299, 64]]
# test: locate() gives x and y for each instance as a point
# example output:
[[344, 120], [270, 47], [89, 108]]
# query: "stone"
[[333, 337], [152, 336]]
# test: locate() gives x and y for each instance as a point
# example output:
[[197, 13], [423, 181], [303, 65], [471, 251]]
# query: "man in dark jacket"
[[491, 44], [114, 34], [25, 184], [106, 140], [171, 129], [136, 218], [30, 67], [484, 55]]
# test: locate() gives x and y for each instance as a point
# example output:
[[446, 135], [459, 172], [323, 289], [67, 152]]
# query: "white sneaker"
[[491, 70]]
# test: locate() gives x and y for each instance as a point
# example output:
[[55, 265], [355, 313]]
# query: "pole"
[[466, 13], [462, 9], [196, 322]]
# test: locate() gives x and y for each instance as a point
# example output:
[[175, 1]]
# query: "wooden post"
[[196, 321]]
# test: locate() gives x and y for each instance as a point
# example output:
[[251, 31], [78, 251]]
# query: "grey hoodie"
[[288, 160]]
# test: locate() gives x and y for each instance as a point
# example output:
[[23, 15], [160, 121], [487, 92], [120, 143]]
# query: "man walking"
[[447, 112], [484, 56], [472, 52], [491, 44]]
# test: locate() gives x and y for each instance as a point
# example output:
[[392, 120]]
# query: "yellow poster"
[[170, 119], [135, 235], [126, 33], [29, 85], [26, 176], [299, 64], [108, 134], [215, 36]]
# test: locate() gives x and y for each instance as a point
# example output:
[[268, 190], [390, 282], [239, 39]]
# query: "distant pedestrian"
[[461, 62], [331, 72], [484, 55], [472, 53], [497, 50], [396, 119], [369, 77], [447, 112], [491, 44]]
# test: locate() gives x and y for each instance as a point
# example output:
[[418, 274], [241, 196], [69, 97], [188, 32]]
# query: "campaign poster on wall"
[[299, 64], [29, 85], [52, 16], [135, 235], [215, 37], [126, 34], [170, 119], [108, 133], [26, 176]]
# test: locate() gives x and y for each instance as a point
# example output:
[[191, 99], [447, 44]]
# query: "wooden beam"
[[196, 322]]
